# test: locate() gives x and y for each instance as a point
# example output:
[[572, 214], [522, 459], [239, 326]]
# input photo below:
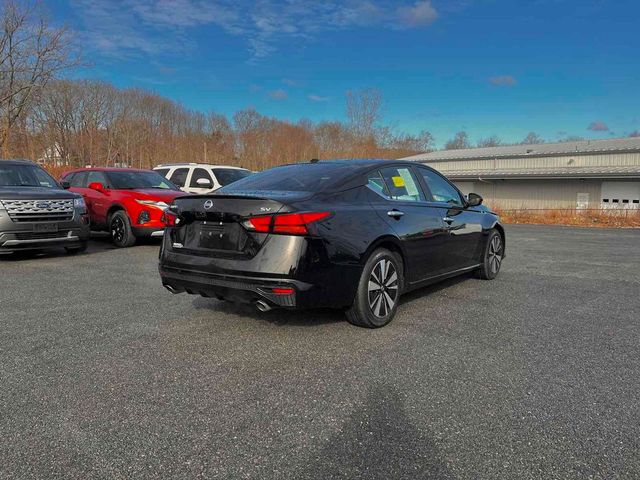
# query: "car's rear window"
[[129, 180], [305, 177], [226, 176]]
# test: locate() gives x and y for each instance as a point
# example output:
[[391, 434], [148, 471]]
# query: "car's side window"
[[179, 176], [376, 183], [162, 171], [98, 177], [78, 180], [441, 190], [402, 185], [197, 174]]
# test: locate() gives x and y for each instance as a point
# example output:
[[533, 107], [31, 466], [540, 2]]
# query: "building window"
[[625, 201], [636, 201], [605, 200], [615, 200]]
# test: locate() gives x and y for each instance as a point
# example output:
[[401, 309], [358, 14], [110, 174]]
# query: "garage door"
[[620, 194]]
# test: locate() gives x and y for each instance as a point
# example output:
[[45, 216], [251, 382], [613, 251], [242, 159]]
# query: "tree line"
[[80, 122]]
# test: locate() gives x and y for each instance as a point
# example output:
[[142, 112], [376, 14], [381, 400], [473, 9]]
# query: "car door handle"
[[448, 220], [395, 214]]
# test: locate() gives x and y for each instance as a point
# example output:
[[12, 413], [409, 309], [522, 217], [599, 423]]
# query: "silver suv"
[[36, 212]]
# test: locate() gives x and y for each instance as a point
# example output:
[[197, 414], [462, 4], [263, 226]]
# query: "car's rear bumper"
[[283, 262], [237, 288]]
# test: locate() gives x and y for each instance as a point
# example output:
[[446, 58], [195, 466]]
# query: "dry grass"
[[583, 218]]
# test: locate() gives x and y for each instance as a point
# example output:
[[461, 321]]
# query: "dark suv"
[[36, 212]]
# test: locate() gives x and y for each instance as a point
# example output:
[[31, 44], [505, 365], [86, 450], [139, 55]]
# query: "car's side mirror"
[[64, 184], [473, 200], [204, 183], [97, 186]]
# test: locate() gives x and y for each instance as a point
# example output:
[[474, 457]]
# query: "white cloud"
[[317, 98], [129, 27], [598, 126], [278, 94], [503, 81], [419, 15]]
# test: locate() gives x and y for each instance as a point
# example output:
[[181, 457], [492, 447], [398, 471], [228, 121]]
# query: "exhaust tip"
[[263, 306], [171, 289]]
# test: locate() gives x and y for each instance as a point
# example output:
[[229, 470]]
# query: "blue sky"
[[504, 67]]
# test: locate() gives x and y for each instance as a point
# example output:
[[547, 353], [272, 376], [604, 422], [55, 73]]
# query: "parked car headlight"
[[80, 205], [153, 203]]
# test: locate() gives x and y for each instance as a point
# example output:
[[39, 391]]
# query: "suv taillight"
[[285, 223]]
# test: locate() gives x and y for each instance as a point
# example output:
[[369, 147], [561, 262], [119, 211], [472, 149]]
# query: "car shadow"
[[435, 288], [311, 317], [379, 441], [277, 316]]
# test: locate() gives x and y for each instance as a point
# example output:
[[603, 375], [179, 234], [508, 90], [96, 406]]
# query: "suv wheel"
[[120, 230], [379, 290]]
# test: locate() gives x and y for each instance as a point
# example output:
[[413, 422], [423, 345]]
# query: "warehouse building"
[[581, 174]]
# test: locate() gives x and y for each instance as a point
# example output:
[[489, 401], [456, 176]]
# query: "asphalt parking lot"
[[104, 374]]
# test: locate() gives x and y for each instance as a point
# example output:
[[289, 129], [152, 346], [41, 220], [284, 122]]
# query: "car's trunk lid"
[[212, 224]]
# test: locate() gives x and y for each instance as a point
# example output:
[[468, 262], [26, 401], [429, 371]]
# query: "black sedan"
[[347, 234]]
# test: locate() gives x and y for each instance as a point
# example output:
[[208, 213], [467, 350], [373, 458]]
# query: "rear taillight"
[[170, 219], [286, 223], [259, 224]]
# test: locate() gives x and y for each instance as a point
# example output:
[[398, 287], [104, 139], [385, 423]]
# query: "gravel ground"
[[104, 374]]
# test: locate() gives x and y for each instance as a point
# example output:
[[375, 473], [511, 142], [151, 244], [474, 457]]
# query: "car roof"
[[165, 165], [364, 162], [16, 161], [107, 169], [354, 169]]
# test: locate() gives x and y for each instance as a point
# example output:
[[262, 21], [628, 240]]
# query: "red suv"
[[126, 202]]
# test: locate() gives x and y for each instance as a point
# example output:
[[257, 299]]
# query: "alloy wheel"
[[117, 229], [383, 288], [495, 254]]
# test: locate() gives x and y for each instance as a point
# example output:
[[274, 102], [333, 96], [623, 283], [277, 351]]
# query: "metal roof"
[[544, 149], [564, 172]]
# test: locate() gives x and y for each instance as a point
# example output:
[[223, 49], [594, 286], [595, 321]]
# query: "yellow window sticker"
[[398, 182]]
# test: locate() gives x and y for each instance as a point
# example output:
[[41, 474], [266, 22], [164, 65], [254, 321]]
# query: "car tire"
[[120, 230], [379, 289], [79, 249], [492, 256]]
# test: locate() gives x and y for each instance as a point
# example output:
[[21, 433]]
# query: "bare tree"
[[422, 142], [572, 138], [532, 138], [492, 141], [635, 133], [458, 142], [31, 54], [363, 112], [78, 122]]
